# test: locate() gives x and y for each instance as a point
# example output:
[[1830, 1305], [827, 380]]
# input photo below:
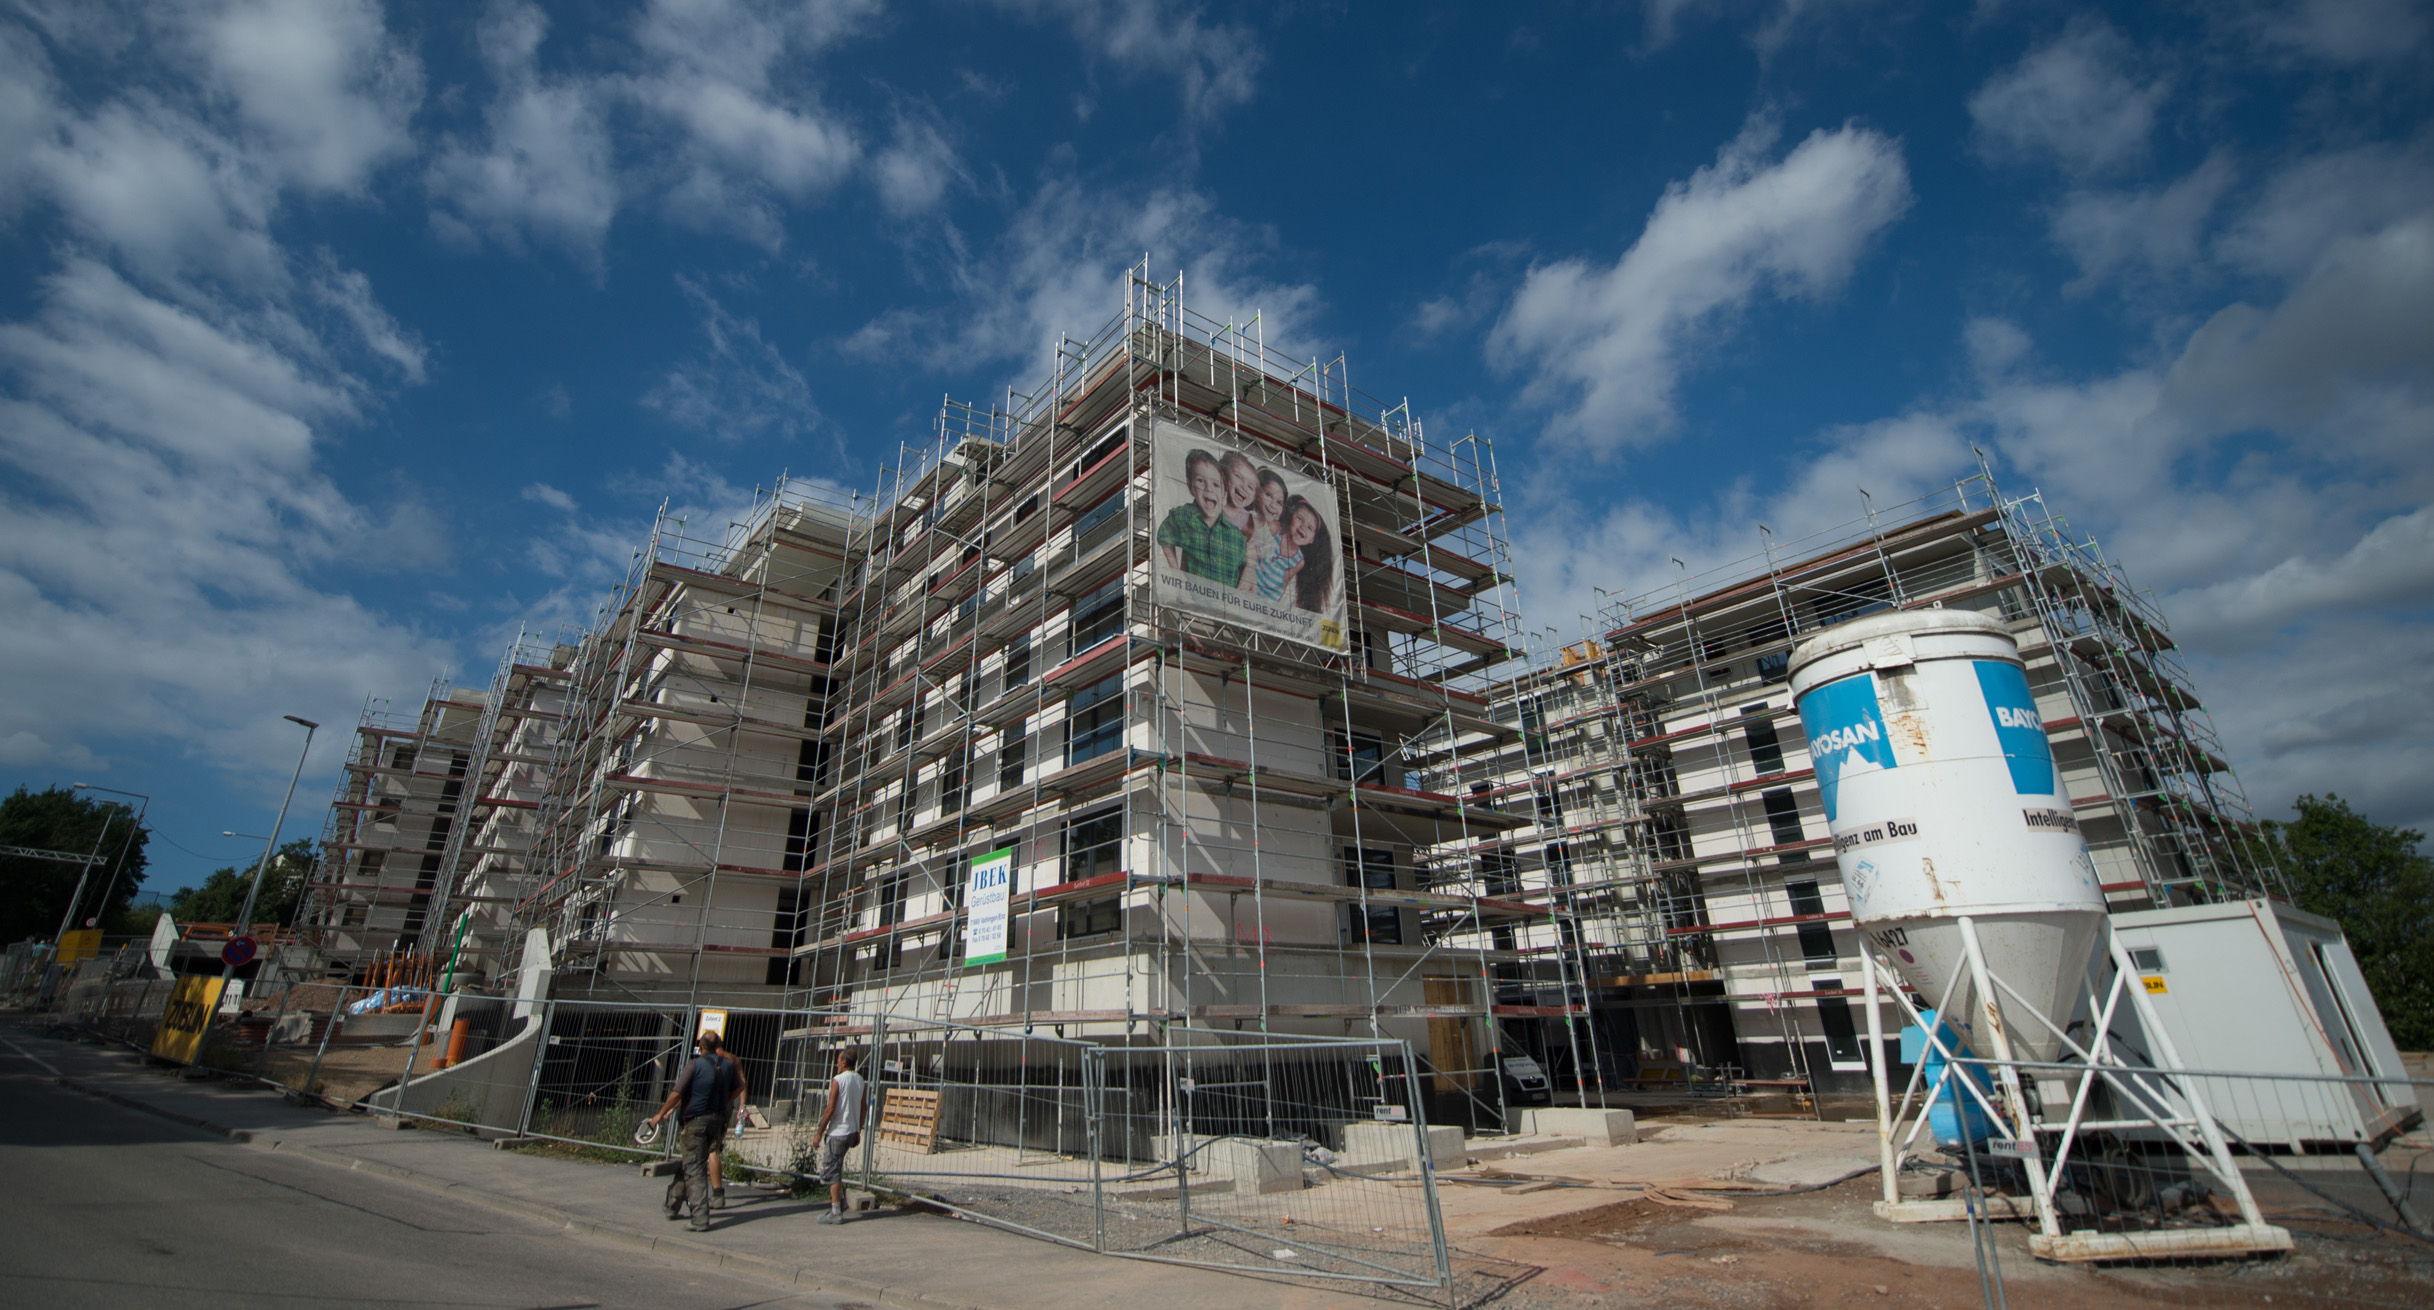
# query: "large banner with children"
[[1246, 539]]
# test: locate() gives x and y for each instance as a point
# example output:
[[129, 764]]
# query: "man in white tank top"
[[840, 1131]]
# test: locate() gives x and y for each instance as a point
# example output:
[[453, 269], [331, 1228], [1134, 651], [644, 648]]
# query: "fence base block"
[[2170, 1244], [1954, 1210]]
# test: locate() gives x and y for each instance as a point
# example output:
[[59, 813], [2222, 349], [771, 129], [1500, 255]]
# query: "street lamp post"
[[245, 916], [109, 812], [120, 865]]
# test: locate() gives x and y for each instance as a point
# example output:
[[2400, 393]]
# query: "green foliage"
[[2370, 878], [34, 893], [612, 1126], [222, 894], [459, 1108]]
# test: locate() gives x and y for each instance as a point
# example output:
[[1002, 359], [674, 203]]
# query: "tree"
[[34, 893], [222, 894], [2369, 878]]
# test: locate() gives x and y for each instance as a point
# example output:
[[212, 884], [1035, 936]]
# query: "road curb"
[[118, 1098], [678, 1248]]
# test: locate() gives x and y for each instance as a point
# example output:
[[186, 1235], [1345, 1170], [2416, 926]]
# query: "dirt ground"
[[347, 1072], [1571, 1247]]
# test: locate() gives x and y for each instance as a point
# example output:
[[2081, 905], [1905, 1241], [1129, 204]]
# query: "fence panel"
[[2344, 1165], [990, 1122], [1276, 1156]]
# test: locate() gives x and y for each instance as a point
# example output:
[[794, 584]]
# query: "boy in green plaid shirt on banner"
[[1198, 538]]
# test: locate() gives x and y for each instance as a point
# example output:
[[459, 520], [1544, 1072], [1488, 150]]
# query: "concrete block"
[[1373, 1142], [1250, 1164], [1596, 1127]]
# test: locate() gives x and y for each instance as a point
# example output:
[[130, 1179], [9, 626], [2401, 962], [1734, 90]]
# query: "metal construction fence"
[[1299, 1156], [2343, 1165]]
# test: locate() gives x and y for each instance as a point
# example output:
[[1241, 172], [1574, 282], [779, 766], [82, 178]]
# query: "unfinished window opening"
[[1018, 661], [1816, 939], [1499, 873], [1834, 1018], [1782, 815], [1094, 720], [1380, 925], [1359, 756], [953, 779], [789, 929], [1094, 848], [1087, 532], [1547, 802], [1099, 615], [1011, 747], [802, 831], [1765, 748], [1107, 445]]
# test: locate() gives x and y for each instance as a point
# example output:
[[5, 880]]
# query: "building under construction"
[[1073, 724], [1222, 785], [1678, 821]]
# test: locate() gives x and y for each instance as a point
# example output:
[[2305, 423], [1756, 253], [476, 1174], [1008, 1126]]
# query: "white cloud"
[[546, 168], [318, 81], [545, 494], [1564, 550], [1605, 345], [1214, 66], [26, 112], [913, 172], [1995, 345], [166, 193], [163, 402], [25, 750], [743, 388], [2321, 198], [2270, 477], [2155, 232], [2070, 103], [2337, 31], [163, 509], [2392, 564], [184, 163], [745, 136], [350, 293], [2347, 357], [1060, 268], [2273, 481]]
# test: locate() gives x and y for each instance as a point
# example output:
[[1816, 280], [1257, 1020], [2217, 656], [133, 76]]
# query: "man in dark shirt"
[[705, 1097]]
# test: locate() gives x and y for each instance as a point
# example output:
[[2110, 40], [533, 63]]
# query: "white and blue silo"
[[1941, 793]]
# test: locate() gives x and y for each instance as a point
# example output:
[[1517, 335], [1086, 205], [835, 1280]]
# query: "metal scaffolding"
[[1675, 799], [762, 773]]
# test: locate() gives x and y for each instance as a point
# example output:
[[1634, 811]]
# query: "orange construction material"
[[458, 1035]]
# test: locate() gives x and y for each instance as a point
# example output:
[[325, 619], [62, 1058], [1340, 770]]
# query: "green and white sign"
[[988, 900]]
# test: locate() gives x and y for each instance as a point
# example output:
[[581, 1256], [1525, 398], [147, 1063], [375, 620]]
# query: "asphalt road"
[[106, 1206]]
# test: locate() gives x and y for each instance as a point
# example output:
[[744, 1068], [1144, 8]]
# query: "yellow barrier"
[[186, 1018]]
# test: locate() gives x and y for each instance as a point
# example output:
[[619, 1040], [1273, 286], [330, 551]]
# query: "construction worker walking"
[[707, 1096], [840, 1131]]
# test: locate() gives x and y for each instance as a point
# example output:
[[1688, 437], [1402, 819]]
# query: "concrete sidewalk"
[[897, 1257]]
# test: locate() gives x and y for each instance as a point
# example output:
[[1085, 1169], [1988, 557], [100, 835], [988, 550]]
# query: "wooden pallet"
[[909, 1119]]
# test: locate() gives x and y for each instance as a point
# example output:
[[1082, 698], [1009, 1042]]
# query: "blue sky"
[[339, 339]]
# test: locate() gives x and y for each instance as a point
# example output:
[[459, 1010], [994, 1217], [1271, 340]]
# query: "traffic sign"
[[238, 953]]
